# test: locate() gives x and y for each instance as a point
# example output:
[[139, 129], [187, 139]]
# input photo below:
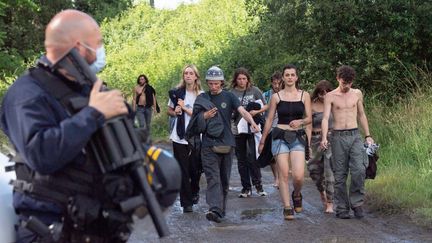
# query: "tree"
[[22, 26], [382, 40]]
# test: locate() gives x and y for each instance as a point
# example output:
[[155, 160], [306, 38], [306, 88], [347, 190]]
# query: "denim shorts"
[[280, 146]]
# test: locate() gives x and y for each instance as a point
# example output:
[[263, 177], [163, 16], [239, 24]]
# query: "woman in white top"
[[180, 104]]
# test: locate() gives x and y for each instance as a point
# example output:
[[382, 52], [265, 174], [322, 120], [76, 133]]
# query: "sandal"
[[297, 201], [288, 213]]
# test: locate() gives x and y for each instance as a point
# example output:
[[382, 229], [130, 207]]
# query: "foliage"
[[21, 34], [102, 10], [404, 131], [401, 189], [159, 43], [22, 26], [375, 37], [372, 36], [405, 126]]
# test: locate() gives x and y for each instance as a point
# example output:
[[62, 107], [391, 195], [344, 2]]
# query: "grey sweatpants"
[[348, 156], [217, 169]]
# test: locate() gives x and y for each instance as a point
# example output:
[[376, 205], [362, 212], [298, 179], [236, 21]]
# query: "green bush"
[[22, 26], [374, 37], [404, 131], [159, 43]]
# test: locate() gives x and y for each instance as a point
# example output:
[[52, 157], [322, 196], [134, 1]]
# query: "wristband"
[[368, 136]]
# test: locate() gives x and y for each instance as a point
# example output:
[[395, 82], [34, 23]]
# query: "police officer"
[[56, 181]]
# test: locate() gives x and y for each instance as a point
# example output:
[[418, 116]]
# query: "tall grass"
[[404, 131]]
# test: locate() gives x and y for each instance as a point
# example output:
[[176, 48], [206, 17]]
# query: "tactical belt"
[[52, 187], [39, 191]]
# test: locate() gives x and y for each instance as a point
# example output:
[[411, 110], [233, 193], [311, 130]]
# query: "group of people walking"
[[49, 115], [320, 130]]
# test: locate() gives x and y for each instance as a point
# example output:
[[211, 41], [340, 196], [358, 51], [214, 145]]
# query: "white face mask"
[[100, 61]]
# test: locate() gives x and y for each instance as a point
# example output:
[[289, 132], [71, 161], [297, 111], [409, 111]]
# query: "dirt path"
[[259, 219]]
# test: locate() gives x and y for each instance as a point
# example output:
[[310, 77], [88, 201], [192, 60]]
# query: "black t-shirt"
[[226, 102]]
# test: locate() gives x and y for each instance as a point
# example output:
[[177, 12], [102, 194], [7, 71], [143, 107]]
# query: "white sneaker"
[[245, 193], [260, 191]]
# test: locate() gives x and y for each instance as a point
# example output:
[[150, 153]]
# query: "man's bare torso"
[[344, 108], [140, 90]]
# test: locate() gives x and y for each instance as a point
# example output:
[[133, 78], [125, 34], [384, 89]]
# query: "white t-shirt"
[[189, 100]]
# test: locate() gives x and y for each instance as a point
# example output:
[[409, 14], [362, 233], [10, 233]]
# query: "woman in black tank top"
[[289, 141]]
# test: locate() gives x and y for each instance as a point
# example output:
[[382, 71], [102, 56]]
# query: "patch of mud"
[[260, 219]]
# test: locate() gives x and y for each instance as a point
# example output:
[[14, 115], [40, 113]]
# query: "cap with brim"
[[214, 73]]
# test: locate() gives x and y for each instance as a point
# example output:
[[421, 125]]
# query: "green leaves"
[[160, 42], [375, 37], [380, 39], [23, 22]]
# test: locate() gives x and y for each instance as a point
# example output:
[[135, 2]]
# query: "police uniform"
[[55, 178]]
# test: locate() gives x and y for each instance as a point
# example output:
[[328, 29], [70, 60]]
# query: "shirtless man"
[[144, 101], [346, 106]]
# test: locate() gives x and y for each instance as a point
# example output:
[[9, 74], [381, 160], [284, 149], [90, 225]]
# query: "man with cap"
[[216, 152]]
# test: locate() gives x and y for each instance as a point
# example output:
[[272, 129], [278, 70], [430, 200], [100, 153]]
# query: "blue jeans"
[[280, 146], [144, 115]]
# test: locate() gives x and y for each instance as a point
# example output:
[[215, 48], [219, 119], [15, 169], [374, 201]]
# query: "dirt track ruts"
[[259, 219]]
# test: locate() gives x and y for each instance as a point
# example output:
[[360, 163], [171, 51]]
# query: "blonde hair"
[[197, 83]]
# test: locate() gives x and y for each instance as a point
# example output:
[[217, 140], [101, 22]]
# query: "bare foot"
[[329, 208], [276, 184], [323, 198]]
